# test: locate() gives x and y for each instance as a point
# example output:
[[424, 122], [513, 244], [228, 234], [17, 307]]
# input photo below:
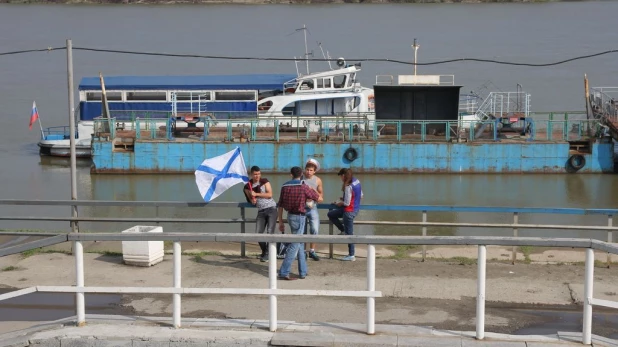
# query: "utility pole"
[[74, 226], [415, 46], [306, 49]]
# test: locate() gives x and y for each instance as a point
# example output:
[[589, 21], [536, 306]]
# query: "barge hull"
[[272, 157]]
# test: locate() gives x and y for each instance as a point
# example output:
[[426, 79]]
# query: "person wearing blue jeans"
[[347, 208], [313, 216], [293, 199]]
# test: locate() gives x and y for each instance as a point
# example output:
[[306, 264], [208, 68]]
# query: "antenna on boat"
[[326, 56], [415, 46], [306, 50]]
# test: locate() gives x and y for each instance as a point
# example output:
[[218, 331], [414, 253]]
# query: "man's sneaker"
[[314, 256], [264, 258], [349, 258], [341, 233], [280, 256]]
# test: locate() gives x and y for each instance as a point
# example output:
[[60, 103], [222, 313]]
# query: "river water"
[[525, 33]]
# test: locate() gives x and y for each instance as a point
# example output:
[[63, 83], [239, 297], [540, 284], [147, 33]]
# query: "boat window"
[[185, 96], [146, 96], [306, 85], [289, 109], [351, 81], [327, 83], [357, 101], [339, 81], [235, 95], [320, 83], [111, 96]]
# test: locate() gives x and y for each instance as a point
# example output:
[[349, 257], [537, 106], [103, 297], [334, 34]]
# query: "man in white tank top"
[[313, 217]]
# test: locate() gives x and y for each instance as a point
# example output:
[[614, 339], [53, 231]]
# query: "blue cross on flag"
[[218, 174]]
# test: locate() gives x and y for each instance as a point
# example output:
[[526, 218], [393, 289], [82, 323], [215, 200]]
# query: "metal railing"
[[273, 292], [242, 220], [358, 128]]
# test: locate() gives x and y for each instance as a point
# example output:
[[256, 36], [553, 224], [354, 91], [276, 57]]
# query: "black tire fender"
[[577, 161], [350, 154]]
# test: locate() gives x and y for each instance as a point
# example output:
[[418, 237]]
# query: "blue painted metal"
[[523, 157], [212, 82]]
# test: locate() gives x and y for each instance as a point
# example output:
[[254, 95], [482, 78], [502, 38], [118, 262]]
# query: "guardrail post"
[[515, 234], [330, 245], [371, 286], [588, 278], [424, 234], [480, 299], [610, 238], [177, 278], [272, 284], [80, 306], [242, 231]]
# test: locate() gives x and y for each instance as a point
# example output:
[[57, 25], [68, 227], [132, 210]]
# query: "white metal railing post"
[[80, 306], [480, 298], [177, 281], [242, 231], [272, 284], [588, 278], [424, 229], [371, 286]]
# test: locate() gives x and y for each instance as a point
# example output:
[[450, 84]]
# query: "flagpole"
[[41, 126], [74, 226]]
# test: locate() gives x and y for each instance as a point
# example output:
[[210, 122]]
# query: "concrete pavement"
[[134, 331]]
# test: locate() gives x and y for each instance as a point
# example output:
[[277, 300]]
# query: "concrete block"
[[85, 342], [483, 343], [409, 341], [14, 342], [45, 342], [142, 253], [603, 341], [549, 344], [360, 340], [146, 343], [317, 339]]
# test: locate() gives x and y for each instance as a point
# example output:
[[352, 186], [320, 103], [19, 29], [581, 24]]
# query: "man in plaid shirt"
[[294, 196]]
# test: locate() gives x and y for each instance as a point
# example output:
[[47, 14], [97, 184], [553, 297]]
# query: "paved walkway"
[[115, 330]]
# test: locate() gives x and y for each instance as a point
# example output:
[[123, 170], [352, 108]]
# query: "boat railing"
[[604, 102], [357, 127], [505, 104], [58, 133]]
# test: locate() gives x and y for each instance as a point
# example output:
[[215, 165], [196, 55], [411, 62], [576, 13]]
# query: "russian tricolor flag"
[[34, 115]]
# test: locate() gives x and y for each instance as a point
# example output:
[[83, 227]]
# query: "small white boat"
[[55, 141]]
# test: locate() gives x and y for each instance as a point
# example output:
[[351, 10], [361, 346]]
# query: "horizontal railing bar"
[[341, 239], [429, 208], [226, 291], [605, 246], [17, 293], [49, 241], [357, 222], [604, 303]]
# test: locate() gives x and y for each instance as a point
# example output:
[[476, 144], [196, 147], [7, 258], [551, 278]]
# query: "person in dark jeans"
[[347, 208], [259, 191], [293, 198]]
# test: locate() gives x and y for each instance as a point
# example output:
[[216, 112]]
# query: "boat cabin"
[[232, 96]]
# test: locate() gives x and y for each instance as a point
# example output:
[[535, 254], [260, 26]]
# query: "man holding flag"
[[218, 174]]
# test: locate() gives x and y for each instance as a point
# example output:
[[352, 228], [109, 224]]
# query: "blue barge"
[[413, 128]]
